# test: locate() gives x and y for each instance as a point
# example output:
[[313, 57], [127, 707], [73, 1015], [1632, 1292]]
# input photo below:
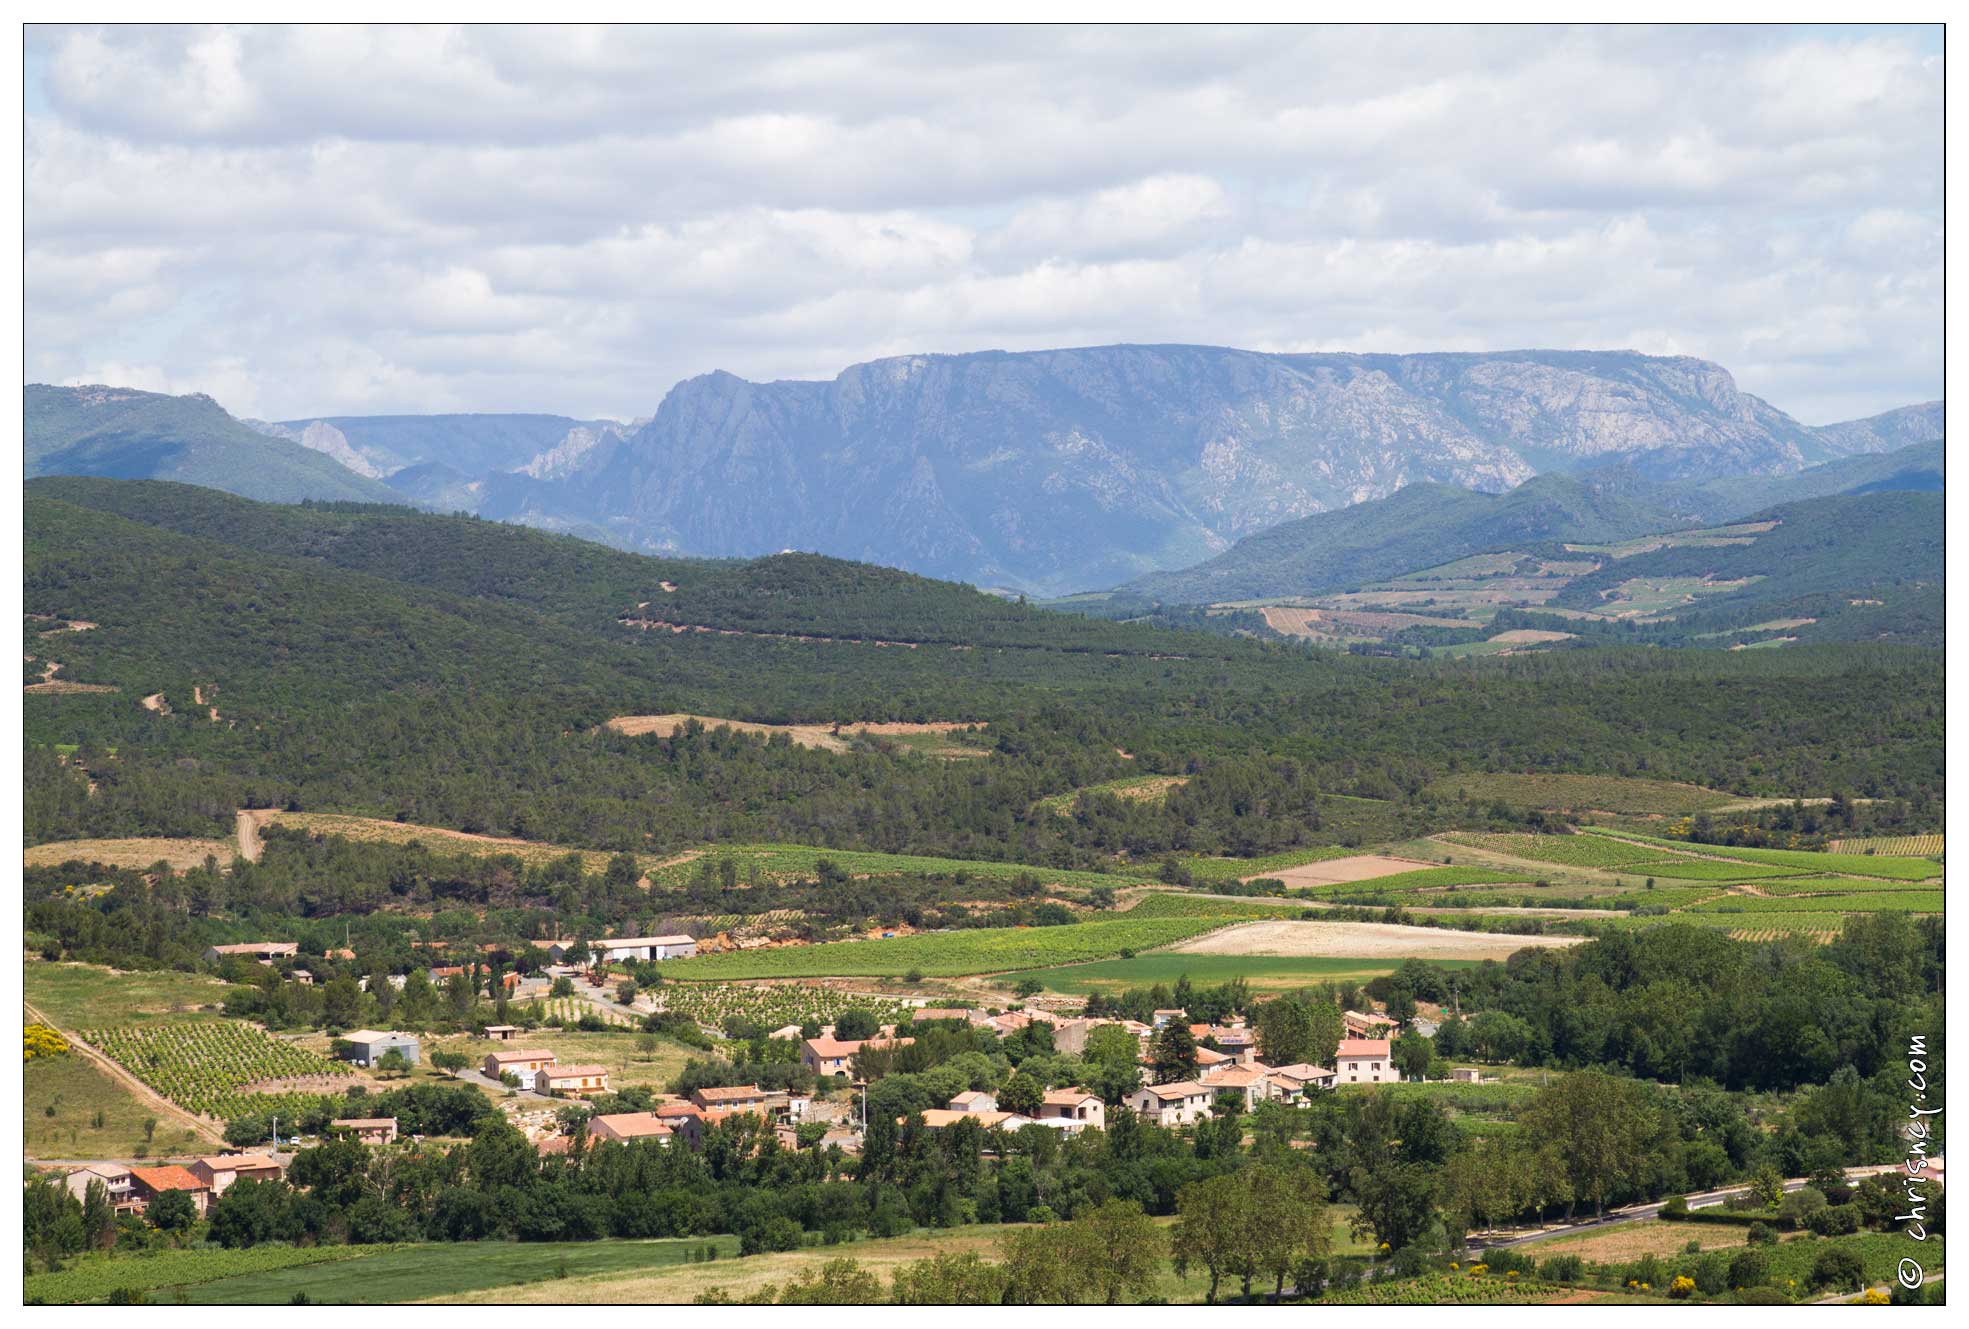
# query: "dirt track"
[[1363, 941]]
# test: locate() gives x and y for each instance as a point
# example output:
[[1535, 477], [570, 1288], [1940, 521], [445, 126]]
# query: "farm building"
[[675, 947], [1075, 1109], [502, 1033], [151, 1182], [1365, 1061], [1467, 1075], [1294, 1082], [1176, 1104], [629, 1127], [369, 1130], [116, 1180], [367, 1046], [266, 952], [1254, 1082], [523, 1062], [834, 1056], [220, 1171], [975, 1100], [555, 950], [741, 1096], [580, 1081]]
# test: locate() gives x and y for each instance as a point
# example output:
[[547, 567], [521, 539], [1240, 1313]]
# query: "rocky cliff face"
[[1060, 470]]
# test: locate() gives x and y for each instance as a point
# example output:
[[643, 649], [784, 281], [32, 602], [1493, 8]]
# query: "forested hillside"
[[459, 677]]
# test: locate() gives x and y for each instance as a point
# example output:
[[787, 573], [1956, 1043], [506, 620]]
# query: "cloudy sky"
[[312, 221]]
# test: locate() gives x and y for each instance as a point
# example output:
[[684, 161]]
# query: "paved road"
[[1636, 1213]]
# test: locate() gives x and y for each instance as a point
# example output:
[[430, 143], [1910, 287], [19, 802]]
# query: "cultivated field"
[[770, 1004], [1363, 940], [135, 852], [1918, 846], [74, 995], [1264, 973], [209, 1067]]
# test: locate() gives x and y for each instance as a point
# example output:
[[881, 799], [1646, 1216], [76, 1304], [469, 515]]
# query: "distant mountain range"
[[128, 435], [1064, 470]]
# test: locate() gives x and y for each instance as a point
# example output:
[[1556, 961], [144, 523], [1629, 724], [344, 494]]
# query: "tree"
[[1119, 1250], [1028, 987], [98, 1217], [647, 1044], [1767, 1186], [450, 1060], [172, 1211], [1173, 1054], [1022, 1094], [1412, 1054], [1287, 1219], [1838, 1267], [393, 1062], [1285, 1031], [1210, 1231], [1397, 1202], [841, 1282], [856, 1024], [1602, 1127], [948, 1279]]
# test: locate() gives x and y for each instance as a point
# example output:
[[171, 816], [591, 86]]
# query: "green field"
[[205, 1067], [945, 954], [1706, 869], [1803, 860], [1260, 971], [91, 1278], [1206, 870], [77, 1090], [1845, 902], [1577, 851], [1422, 879], [72, 995], [450, 1270]]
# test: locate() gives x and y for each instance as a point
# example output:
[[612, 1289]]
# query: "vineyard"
[[1708, 869], [1133, 787], [1600, 793], [759, 863], [1422, 879], [1804, 860], [567, 1010], [1772, 934], [206, 1067], [1204, 870], [719, 1004], [1920, 846], [1845, 902], [1445, 1290], [1577, 851]]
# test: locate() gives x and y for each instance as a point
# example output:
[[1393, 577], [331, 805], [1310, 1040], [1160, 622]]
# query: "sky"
[[308, 221]]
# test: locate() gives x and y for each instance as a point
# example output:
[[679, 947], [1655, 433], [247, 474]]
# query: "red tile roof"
[[171, 1177], [1363, 1047]]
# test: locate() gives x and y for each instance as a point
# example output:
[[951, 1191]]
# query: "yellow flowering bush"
[[1683, 1286], [41, 1041], [1876, 1297]]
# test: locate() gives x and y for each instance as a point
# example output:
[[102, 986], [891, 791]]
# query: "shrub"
[[1835, 1220], [1748, 1268], [1676, 1208], [1682, 1288], [1763, 1234], [1563, 1268], [1839, 1268]]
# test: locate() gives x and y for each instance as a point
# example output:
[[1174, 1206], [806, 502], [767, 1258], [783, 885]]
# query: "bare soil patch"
[[1363, 941], [1333, 622], [1338, 871], [1530, 635], [132, 852], [830, 738]]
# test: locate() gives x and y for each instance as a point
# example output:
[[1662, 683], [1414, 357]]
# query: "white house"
[[1073, 1109], [676, 947], [974, 1100], [1176, 1104], [1365, 1061]]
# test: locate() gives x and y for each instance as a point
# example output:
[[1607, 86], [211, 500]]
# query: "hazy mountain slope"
[[1416, 527], [1918, 466], [126, 434], [469, 445], [1061, 470], [1886, 431]]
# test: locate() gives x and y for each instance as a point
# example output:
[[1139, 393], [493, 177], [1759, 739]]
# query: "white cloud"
[[310, 220]]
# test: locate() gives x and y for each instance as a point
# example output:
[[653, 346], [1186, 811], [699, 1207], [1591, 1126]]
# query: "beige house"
[[1254, 1082], [1294, 1082], [1077, 1109], [1365, 1061], [580, 1081], [743, 1097], [834, 1056], [369, 1130], [116, 1180], [523, 1062], [220, 1171], [1175, 1104], [974, 1100], [266, 952]]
